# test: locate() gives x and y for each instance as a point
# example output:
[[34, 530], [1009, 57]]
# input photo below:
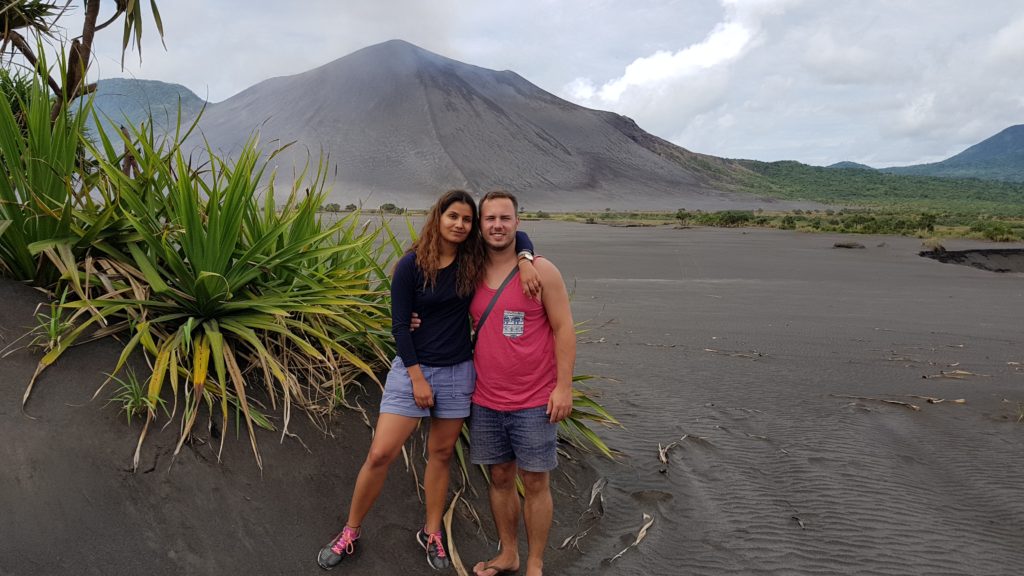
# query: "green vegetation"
[[880, 190], [865, 202], [16, 86], [923, 224], [585, 409], [193, 269], [39, 157], [389, 208], [904, 223], [50, 326], [133, 398]]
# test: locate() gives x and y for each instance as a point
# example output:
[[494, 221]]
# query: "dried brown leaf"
[[648, 521], [934, 400], [896, 402]]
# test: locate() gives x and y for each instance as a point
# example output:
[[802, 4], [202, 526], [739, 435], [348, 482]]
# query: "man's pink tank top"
[[515, 350]]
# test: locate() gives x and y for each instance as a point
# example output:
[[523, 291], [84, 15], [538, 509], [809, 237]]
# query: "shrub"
[[39, 159], [726, 218], [208, 275], [994, 230], [683, 216]]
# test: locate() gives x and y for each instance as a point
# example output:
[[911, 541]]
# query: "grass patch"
[[905, 222], [131, 395]]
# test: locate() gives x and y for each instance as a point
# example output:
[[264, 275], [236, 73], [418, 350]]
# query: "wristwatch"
[[525, 254]]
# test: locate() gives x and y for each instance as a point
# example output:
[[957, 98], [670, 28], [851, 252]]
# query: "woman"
[[432, 375]]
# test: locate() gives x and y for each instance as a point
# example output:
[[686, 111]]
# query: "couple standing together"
[[515, 387]]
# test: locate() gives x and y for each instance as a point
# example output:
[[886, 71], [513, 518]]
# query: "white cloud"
[[877, 81], [841, 60], [725, 43], [1008, 43], [580, 89], [918, 114]]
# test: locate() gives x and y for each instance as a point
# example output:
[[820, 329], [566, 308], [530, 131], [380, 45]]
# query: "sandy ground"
[[753, 342], [750, 342], [69, 503]]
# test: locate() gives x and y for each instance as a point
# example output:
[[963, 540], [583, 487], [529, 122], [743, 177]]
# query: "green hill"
[[850, 165], [1000, 157], [121, 99], [872, 188]]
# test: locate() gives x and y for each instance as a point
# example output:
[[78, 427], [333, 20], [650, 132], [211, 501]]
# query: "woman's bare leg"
[[391, 433], [440, 445]]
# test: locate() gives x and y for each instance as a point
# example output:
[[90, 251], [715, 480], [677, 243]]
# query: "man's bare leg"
[[537, 512], [505, 509]]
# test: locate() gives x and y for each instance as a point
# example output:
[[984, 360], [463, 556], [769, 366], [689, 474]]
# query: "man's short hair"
[[496, 194]]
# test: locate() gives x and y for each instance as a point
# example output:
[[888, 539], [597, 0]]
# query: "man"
[[524, 357]]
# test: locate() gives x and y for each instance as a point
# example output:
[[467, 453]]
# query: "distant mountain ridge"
[[119, 99], [1000, 157], [399, 124]]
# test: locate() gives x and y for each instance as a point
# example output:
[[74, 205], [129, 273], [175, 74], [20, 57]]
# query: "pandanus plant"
[[221, 289]]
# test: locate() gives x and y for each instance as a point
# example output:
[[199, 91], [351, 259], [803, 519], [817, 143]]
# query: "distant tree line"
[[793, 180], [862, 221]]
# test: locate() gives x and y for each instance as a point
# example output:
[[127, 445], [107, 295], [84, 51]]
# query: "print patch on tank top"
[[512, 323]]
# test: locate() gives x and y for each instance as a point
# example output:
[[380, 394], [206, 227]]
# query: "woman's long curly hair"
[[470, 255]]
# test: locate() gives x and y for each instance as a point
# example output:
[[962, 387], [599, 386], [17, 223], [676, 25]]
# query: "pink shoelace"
[[345, 542], [435, 539]]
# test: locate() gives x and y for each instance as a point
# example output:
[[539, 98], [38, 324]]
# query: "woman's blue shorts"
[[453, 390]]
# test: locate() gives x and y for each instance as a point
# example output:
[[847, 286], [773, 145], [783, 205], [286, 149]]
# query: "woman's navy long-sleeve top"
[[443, 337]]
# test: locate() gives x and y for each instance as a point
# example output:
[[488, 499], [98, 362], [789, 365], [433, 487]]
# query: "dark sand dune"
[[750, 341], [746, 339], [69, 503], [401, 123]]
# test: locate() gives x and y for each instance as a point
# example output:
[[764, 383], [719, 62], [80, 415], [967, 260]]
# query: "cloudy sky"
[[883, 82]]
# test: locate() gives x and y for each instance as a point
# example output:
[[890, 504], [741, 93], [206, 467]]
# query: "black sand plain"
[[770, 351]]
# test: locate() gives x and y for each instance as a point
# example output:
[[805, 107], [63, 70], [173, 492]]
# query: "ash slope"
[[401, 123]]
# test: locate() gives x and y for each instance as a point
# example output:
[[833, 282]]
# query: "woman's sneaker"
[[341, 547], [434, 544]]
